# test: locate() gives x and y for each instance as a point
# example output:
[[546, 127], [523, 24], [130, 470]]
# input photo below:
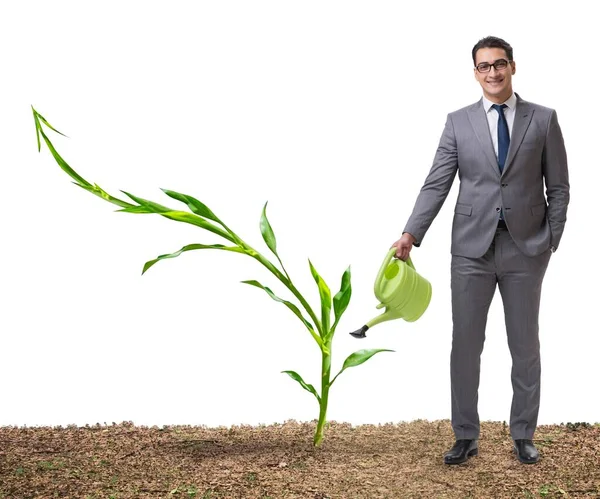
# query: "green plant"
[[321, 329], [577, 425], [49, 465]]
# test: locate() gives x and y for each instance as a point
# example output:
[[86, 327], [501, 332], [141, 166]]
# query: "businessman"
[[504, 232]]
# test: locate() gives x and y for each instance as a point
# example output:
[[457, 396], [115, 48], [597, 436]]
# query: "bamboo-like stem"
[[325, 385]]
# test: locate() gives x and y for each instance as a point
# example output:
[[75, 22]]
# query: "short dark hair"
[[492, 42]]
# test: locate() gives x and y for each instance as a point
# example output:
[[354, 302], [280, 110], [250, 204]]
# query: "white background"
[[331, 112]]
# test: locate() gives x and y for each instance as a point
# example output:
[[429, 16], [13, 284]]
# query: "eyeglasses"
[[499, 65]]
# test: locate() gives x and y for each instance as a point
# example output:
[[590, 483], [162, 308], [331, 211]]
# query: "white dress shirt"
[[492, 117]]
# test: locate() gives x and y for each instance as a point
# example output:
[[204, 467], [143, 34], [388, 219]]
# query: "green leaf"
[[61, 162], [289, 305], [357, 358], [146, 206], [190, 218], [310, 388], [98, 191], [267, 231], [360, 356], [136, 209], [193, 204], [151, 205], [38, 115], [79, 180], [191, 247], [37, 129], [179, 216], [325, 296], [342, 298]]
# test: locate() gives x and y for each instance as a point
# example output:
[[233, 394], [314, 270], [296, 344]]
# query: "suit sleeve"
[[437, 185], [556, 177]]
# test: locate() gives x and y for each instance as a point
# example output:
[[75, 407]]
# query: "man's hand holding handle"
[[404, 245]]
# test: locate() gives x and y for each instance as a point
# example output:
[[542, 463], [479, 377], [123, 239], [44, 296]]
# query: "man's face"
[[496, 83]]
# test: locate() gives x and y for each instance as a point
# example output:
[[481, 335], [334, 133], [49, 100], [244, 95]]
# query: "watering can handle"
[[386, 262]]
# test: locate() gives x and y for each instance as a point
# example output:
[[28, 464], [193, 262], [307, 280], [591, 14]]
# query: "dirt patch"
[[279, 461]]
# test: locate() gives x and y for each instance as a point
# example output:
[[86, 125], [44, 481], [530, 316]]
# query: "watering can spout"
[[388, 315], [360, 333]]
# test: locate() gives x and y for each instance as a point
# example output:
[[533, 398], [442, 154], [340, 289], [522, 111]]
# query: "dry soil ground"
[[279, 461]]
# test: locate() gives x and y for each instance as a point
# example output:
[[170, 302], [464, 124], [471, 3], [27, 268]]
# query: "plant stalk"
[[325, 385]]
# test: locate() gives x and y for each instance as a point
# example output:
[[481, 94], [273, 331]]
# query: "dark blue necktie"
[[503, 140], [503, 136]]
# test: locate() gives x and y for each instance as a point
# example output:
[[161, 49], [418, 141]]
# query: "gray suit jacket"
[[536, 155]]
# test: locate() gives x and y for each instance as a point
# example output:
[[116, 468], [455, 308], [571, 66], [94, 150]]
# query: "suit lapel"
[[523, 116], [480, 125]]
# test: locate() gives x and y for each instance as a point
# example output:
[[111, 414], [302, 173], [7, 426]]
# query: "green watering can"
[[401, 290]]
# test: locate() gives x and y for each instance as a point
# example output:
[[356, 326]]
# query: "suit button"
[[497, 209], [504, 185]]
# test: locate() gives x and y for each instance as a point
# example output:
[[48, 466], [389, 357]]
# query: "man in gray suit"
[[504, 232]]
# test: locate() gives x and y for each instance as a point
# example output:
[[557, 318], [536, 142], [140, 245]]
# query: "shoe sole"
[[473, 452]]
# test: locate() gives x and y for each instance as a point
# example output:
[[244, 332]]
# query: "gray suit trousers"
[[473, 282]]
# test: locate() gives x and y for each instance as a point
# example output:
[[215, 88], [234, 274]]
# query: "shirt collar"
[[511, 103]]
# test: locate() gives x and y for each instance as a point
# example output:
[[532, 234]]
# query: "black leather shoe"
[[463, 449], [526, 451]]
